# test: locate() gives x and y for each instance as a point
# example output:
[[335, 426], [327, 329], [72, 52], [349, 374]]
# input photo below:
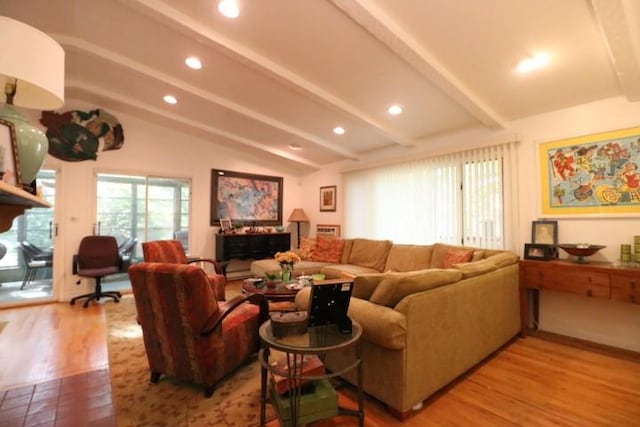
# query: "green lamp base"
[[33, 144]]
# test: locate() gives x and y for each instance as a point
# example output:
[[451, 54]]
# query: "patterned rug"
[[235, 402]]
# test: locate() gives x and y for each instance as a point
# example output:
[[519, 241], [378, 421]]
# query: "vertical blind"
[[458, 198]]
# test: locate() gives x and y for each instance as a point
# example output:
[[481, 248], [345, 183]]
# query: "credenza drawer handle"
[[633, 298], [633, 285], [589, 293]]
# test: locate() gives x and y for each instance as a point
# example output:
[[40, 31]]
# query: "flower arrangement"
[[287, 259]]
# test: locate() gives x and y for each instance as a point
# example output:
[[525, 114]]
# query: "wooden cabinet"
[[595, 280], [13, 202], [251, 246]]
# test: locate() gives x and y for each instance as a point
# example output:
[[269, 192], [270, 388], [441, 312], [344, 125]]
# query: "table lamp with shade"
[[298, 216], [32, 75]]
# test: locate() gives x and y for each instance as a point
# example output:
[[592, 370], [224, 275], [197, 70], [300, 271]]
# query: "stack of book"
[[317, 400]]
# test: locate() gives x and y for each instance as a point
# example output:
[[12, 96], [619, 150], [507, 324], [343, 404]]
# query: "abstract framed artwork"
[[245, 198], [594, 175], [9, 162], [328, 198]]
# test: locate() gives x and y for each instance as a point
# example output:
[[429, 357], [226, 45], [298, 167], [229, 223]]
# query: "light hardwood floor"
[[530, 382]]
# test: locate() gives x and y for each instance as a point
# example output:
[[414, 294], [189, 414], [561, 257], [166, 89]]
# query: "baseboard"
[[608, 350]]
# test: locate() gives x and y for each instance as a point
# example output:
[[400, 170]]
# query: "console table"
[[593, 280], [251, 245]]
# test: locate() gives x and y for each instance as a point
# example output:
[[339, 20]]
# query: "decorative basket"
[[288, 324]]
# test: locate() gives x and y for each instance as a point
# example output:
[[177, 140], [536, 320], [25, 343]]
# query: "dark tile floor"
[[82, 400]]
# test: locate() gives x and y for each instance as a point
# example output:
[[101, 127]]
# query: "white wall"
[[596, 320], [148, 149]]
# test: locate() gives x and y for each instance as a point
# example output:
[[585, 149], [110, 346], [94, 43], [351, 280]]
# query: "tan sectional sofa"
[[423, 325]]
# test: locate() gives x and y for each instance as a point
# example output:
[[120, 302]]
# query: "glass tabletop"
[[316, 340]]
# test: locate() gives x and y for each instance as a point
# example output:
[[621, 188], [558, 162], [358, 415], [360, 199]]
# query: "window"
[[147, 208], [456, 198]]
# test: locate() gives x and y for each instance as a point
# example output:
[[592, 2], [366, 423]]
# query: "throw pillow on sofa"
[[328, 249], [307, 247], [394, 287], [456, 256]]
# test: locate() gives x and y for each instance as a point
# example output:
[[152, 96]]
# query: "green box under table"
[[321, 404]]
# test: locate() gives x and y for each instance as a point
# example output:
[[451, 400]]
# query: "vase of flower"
[[286, 260], [286, 272]]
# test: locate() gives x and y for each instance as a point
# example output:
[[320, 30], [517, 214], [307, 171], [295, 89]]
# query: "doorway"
[[26, 268]]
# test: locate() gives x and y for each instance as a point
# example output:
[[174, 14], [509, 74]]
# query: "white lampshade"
[[37, 62]]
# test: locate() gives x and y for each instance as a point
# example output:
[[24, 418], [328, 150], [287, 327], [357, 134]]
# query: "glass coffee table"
[[318, 340], [278, 291]]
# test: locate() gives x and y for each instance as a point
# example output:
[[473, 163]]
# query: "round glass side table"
[[318, 340]]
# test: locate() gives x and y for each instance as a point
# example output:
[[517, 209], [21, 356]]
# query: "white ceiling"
[[289, 71]]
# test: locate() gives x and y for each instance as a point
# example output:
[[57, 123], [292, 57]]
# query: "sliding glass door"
[[27, 250], [143, 208]]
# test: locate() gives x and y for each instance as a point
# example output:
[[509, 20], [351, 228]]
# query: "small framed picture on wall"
[[328, 198]]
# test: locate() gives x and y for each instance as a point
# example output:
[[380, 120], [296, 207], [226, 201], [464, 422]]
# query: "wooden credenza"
[[251, 245], [13, 202], [593, 280]]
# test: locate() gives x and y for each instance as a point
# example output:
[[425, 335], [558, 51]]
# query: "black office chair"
[[34, 258], [97, 257]]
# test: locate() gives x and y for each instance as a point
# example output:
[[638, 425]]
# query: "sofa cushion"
[[307, 247], [346, 251], [328, 249], [380, 325], [346, 270], [364, 285], [471, 269], [456, 256], [408, 258], [394, 287], [370, 253], [503, 259]]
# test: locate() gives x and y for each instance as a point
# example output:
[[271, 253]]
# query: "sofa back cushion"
[[328, 249], [408, 258], [476, 268], [346, 251], [396, 286], [370, 253], [503, 259]]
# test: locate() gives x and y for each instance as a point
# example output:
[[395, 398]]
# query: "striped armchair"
[[172, 251], [187, 333]]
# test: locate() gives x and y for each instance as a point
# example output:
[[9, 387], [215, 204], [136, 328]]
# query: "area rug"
[[3, 324], [138, 402]]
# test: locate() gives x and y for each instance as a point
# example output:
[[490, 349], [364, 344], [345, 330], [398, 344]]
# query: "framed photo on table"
[[544, 232], [540, 252], [328, 198], [9, 164]]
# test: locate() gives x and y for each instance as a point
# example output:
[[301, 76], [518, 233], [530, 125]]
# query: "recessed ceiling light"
[[295, 146], [338, 130], [534, 62], [394, 110], [170, 99], [193, 62], [229, 8]]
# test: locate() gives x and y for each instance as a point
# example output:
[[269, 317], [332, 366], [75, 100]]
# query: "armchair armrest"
[[220, 267], [231, 305]]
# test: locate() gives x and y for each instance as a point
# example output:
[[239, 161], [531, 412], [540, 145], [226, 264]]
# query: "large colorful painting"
[[245, 198], [592, 174]]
